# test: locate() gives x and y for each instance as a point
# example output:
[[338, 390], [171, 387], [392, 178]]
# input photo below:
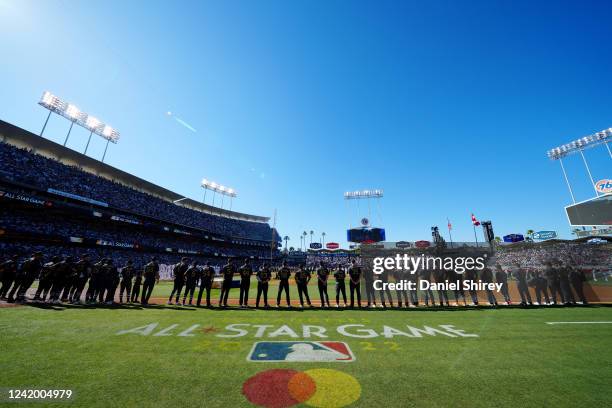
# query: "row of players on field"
[[64, 280]]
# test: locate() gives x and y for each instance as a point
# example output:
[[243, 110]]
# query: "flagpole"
[[475, 236], [448, 224]]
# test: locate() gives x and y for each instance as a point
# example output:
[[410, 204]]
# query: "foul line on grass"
[[578, 322]]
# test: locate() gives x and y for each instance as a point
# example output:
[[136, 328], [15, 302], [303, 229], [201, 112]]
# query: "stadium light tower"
[[75, 115], [364, 194], [218, 188], [578, 146]]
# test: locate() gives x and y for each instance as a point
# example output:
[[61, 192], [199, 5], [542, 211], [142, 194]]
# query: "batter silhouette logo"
[[301, 351]]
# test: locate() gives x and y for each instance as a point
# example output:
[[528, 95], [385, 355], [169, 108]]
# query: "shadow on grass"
[[294, 309]]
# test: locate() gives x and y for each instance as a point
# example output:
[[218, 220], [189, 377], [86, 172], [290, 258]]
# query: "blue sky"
[[448, 106]]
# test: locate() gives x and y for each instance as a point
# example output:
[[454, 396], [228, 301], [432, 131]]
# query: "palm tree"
[[286, 238], [304, 234], [498, 239], [530, 233], [291, 249], [311, 234], [323, 238]]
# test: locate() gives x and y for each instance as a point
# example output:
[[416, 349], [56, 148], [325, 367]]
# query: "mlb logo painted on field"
[[301, 351]]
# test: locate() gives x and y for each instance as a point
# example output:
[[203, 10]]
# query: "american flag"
[[475, 222]]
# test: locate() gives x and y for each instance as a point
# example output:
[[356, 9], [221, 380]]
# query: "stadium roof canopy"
[[22, 138]]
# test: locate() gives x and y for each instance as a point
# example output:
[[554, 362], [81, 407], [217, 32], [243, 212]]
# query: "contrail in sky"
[[182, 122]]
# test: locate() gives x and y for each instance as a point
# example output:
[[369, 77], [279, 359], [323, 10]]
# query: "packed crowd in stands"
[[587, 256], [22, 166], [66, 227]]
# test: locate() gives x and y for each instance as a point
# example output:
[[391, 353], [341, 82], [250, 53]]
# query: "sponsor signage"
[[77, 197], [315, 245], [604, 186], [514, 238], [403, 244], [124, 219], [115, 244], [25, 198], [544, 235], [593, 232], [332, 245], [422, 244]]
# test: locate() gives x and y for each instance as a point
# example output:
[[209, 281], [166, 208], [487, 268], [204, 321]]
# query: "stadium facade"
[[63, 202]]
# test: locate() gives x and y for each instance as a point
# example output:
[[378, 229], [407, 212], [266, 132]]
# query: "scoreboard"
[[594, 212], [365, 235]]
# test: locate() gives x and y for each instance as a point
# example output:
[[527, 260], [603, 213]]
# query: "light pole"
[[311, 234], [323, 238]]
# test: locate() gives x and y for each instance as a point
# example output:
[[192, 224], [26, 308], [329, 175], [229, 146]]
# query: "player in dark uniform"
[[368, 277], [577, 279], [46, 279], [61, 279], [227, 272], [384, 277], [539, 283], [355, 283], [245, 272], [425, 275], [151, 276], [322, 277], [472, 275], [554, 285], [179, 280], [8, 271], [502, 277], [83, 272], [95, 282], [191, 280], [459, 293], [486, 275], [340, 276], [564, 278], [521, 276], [69, 282], [302, 277], [102, 281], [283, 276], [440, 277], [112, 280], [127, 274], [414, 294], [30, 270], [402, 295], [207, 274], [263, 277], [137, 285]]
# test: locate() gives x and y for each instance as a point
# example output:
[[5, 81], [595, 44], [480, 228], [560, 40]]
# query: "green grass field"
[[515, 360]]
